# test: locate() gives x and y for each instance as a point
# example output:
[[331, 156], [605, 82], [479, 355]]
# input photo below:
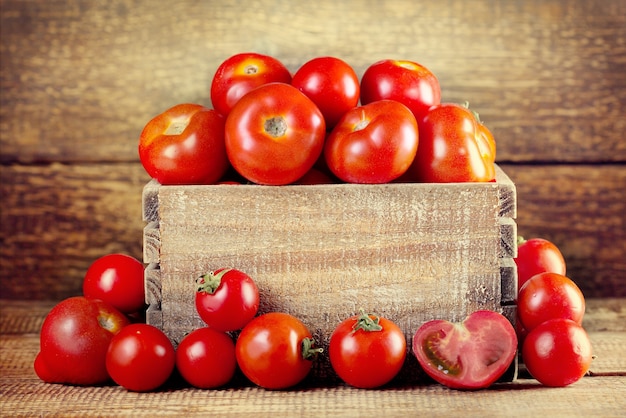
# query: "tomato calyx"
[[275, 126], [366, 323], [209, 282], [309, 351]]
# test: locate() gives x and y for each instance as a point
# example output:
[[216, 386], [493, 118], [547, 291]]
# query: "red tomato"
[[274, 134], [331, 83], [375, 143], [140, 358], [184, 145], [537, 255], [468, 355], [367, 351], [275, 350], [557, 352], [548, 296], [407, 82], [74, 339], [227, 299], [206, 358], [242, 73], [118, 280], [315, 176], [454, 147]]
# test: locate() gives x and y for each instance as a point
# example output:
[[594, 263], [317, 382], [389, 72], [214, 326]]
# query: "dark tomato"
[[205, 358], [117, 279], [331, 83], [227, 299], [140, 358], [557, 352], [548, 296]]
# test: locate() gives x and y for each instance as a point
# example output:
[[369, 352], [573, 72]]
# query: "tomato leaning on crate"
[[454, 147], [241, 73], [140, 358], [548, 296], [74, 339], [206, 359], [275, 350], [227, 299], [472, 354], [537, 255], [375, 143], [405, 81], [367, 351], [117, 279], [184, 145], [557, 352], [274, 134], [331, 83]]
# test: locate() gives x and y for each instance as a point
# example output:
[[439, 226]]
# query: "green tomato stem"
[[211, 281], [367, 323]]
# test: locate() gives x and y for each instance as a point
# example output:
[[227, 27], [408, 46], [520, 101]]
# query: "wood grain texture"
[[547, 77], [599, 394]]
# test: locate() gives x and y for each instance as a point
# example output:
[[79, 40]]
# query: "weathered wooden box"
[[408, 252]]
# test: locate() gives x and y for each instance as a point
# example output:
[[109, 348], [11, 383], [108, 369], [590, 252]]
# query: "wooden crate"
[[408, 252]]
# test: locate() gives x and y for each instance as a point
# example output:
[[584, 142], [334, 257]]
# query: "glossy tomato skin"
[[331, 83], [548, 296], [375, 143], [454, 147], [117, 279], [557, 352], [468, 355], [274, 134], [227, 299], [140, 358], [364, 356], [537, 255], [274, 351], [74, 339], [184, 145], [242, 73], [205, 358], [405, 81]]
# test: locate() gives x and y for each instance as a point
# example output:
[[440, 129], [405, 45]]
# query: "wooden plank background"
[[80, 78]]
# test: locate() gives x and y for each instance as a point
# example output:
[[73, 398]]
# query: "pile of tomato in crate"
[[321, 125]]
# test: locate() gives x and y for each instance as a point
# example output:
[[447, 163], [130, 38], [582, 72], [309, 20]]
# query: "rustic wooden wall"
[[80, 78]]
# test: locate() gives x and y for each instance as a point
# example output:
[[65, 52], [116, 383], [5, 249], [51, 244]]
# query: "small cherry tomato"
[[117, 279], [184, 145], [275, 351], [367, 351], [407, 82], [453, 147], [557, 352], [331, 83], [140, 358], [548, 296], [274, 134], [74, 339], [472, 354], [227, 299], [537, 255], [375, 143], [205, 358], [242, 73]]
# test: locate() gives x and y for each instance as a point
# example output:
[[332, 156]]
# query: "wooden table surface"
[[600, 394]]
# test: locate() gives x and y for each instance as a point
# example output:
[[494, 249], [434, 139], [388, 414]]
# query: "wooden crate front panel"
[[408, 252]]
